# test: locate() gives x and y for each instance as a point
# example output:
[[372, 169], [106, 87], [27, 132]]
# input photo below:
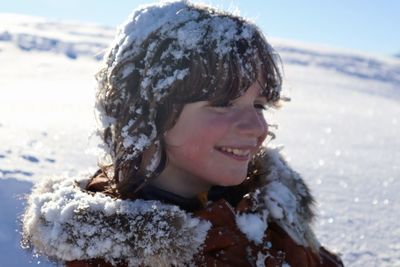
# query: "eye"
[[260, 106], [222, 105]]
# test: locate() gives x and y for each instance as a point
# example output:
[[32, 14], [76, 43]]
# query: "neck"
[[184, 185]]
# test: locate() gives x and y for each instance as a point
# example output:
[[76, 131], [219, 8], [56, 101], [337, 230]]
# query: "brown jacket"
[[67, 221], [227, 246]]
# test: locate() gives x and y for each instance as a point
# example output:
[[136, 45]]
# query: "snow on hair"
[[164, 56]]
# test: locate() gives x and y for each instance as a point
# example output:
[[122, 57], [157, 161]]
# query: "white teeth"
[[236, 151]]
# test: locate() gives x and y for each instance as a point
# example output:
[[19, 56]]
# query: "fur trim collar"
[[65, 222], [286, 199]]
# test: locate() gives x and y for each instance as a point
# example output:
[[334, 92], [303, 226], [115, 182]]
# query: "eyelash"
[[223, 105], [260, 106]]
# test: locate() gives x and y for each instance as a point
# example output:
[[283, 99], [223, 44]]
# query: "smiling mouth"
[[235, 153]]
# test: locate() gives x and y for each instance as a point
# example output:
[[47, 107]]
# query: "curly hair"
[[187, 53]]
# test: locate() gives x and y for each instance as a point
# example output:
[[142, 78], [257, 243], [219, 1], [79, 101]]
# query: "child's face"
[[213, 145]]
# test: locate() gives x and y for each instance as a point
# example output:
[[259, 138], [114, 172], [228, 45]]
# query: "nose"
[[252, 123]]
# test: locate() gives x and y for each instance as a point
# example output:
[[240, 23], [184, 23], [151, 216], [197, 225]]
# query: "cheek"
[[188, 153], [199, 133], [193, 145], [195, 142]]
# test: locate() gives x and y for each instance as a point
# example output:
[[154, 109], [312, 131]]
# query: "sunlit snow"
[[340, 131]]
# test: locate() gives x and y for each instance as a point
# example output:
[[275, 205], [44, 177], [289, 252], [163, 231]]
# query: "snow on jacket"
[[270, 226]]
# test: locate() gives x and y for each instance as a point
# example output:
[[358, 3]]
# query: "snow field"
[[340, 131]]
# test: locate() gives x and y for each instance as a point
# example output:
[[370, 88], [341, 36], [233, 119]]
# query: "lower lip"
[[233, 156]]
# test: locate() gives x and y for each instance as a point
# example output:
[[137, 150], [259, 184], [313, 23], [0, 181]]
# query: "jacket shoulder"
[[65, 222]]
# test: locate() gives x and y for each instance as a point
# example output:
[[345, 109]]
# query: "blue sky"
[[363, 25]]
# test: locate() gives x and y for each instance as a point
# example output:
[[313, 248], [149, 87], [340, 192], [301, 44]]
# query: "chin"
[[232, 182]]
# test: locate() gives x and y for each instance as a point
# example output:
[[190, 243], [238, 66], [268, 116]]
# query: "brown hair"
[[138, 98]]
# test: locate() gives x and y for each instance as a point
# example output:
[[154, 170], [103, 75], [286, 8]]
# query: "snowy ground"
[[340, 132]]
